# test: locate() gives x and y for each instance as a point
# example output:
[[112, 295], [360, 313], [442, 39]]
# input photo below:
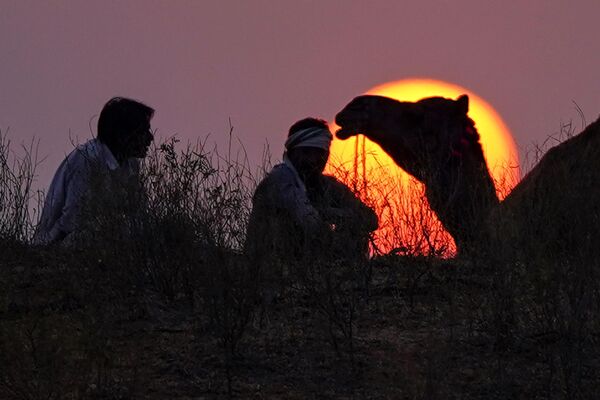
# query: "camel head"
[[366, 115], [420, 136], [435, 141]]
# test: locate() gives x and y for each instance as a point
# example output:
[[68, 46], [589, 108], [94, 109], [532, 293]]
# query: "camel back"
[[555, 209]]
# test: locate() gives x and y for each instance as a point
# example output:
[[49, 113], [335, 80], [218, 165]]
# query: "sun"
[[407, 224]]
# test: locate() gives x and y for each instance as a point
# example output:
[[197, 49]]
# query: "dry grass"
[[157, 301], [17, 173]]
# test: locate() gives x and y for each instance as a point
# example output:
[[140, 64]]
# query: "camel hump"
[[557, 201], [435, 107]]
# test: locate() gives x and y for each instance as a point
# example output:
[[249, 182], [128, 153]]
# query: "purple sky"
[[265, 64]]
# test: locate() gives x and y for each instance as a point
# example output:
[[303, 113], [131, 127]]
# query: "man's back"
[[70, 187], [281, 213]]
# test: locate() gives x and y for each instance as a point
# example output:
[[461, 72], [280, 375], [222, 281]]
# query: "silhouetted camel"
[[436, 142]]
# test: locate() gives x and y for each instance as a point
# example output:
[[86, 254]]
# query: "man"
[[299, 214], [124, 135]]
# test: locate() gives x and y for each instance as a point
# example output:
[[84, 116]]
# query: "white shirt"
[[69, 187]]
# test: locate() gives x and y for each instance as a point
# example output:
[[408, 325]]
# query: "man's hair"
[[308, 123], [121, 117]]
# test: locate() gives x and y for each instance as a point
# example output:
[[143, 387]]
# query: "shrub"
[[17, 173]]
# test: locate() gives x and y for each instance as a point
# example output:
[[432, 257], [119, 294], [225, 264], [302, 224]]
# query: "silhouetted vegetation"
[[155, 299]]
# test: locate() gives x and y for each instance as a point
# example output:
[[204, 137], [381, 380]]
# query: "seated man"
[[124, 135], [298, 213]]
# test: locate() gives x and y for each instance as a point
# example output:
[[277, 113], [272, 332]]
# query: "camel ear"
[[463, 104]]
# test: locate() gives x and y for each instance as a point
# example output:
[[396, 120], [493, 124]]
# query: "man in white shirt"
[[124, 135], [299, 213]]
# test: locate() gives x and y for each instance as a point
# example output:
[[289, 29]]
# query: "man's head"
[[124, 126], [307, 146]]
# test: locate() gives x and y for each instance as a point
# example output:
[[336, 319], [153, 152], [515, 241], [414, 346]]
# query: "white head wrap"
[[310, 137]]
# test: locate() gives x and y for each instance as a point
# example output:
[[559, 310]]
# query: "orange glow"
[[406, 222]]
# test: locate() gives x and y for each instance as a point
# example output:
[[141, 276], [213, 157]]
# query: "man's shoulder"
[[281, 171], [334, 183], [83, 152], [83, 159], [331, 179], [277, 180], [279, 174]]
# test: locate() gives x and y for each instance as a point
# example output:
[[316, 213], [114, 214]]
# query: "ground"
[[421, 329]]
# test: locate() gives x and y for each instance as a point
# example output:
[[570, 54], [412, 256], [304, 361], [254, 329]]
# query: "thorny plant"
[[17, 174], [185, 237], [177, 234]]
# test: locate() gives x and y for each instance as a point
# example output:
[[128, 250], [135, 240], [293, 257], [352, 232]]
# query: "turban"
[[310, 137]]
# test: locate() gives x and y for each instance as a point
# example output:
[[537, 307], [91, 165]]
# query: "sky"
[[265, 64]]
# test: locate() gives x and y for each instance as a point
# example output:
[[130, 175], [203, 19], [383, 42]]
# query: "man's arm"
[[348, 207], [76, 186], [285, 193]]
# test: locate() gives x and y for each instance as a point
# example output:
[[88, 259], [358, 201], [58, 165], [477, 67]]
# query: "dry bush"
[[163, 228], [148, 246], [17, 173], [172, 241], [407, 225], [202, 202]]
